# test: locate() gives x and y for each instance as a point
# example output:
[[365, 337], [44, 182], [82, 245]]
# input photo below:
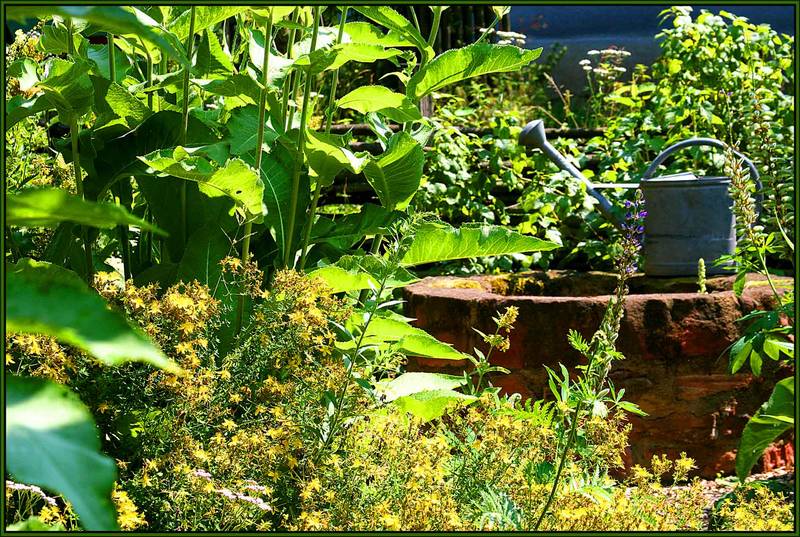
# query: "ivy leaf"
[[397, 173], [48, 207], [382, 100], [36, 293], [460, 64], [440, 242], [52, 442]]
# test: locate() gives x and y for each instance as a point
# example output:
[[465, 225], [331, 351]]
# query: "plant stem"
[[70, 40], [437, 16], [112, 66], [148, 73], [291, 80], [328, 122], [76, 167], [262, 113], [485, 34], [301, 145], [570, 440], [186, 75]]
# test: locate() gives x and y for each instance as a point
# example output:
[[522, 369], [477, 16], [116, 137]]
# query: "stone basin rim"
[[484, 287]]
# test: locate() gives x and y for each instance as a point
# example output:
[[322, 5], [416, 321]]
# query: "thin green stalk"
[[301, 145], [70, 40], [376, 246], [148, 73], [112, 66], [262, 118], [570, 439], [186, 75], [437, 16], [485, 34], [290, 81], [414, 17], [76, 167], [328, 122]]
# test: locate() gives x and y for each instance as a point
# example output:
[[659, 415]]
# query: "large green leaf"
[[68, 88], [206, 247], [364, 32], [243, 130], [440, 242], [396, 174], [239, 90], [114, 105], [409, 339], [278, 65], [429, 405], [354, 273], [328, 155], [204, 17], [48, 207], [19, 107], [52, 442], [276, 169], [42, 298], [335, 56], [113, 19], [212, 61], [774, 418], [235, 179], [99, 55], [346, 230], [463, 63], [411, 383], [382, 100], [24, 70], [391, 19]]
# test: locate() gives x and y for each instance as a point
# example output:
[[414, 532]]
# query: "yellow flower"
[[229, 425]]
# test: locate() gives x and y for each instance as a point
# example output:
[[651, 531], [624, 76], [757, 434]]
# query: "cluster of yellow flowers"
[[128, 517], [760, 510], [39, 356]]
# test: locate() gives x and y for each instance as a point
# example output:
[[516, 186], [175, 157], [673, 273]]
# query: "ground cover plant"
[[195, 344]]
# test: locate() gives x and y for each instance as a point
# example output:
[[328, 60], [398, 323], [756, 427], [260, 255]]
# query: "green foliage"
[[50, 206], [37, 294], [774, 418], [53, 442]]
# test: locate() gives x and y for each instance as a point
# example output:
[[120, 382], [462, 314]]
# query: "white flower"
[[587, 68], [584, 62], [593, 52]]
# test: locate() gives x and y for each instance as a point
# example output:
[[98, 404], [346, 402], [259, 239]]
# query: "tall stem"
[[437, 17], [328, 122], [70, 40], [291, 79], [186, 75], [112, 65], [262, 118], [301, 145], [148, 73], [485, 34], [76, 168]]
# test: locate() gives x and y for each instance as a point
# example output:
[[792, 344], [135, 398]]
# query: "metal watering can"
[[688, 217]]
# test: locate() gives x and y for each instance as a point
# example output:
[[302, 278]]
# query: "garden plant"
[[204, 331]]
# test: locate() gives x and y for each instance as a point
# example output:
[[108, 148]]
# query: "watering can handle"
[[648, 174]]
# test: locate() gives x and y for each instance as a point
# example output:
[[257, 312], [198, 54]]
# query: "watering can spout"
[[534, 135]]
